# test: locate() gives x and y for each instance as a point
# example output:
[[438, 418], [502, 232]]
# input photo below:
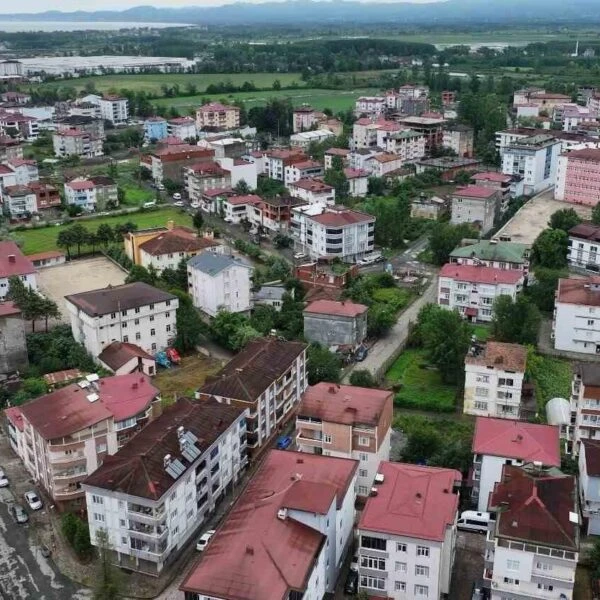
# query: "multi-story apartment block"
[[432, 127], [532, 547], [492, 253], [304, 117], [26, 171], [95, 193], [312, 191], [365, 132], [568, 140], [114, 109], [289, 542], [589, 485], [332, 323], [477, 205], [70, 431], [268, 377], [576, 320], [236, 209], [347, 422], [358, 182], [19, 201], [275, 161], [133, 312], [584, 407], [494, 375], [170, 161], [204, 176], [153, 494], [535, 159], [472, 289], [47, 195], [383, 164], [370, 106], [13, 263], [183, 128], [504, 184], [407, 144], [155, 129], [333, 231], [26, 128], [497, 442], [219, 282], [75, 142], [306, 169], [407, 532], [578, 177], [218, 116], [88, 124], [329, 155], [459, 138], [584, 244]]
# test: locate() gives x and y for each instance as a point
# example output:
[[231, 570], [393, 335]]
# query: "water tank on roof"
[[558, 412]]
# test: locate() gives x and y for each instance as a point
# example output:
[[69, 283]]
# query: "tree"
[[66, 240], [550, 249], [80, 236], [48, 310], [444, 237], [322, 365], [376, 186], [232, 330], [241, 188], [541, 292], [564, 219], [198, 221], [108, 580], [277, 85], [380, 319], [176, 278], [139, 273], [81, 542], [421, 444], [190, 326], [594, 559], [363, 378], [68, 526], [596, 214], [105, 234], [516, 321]]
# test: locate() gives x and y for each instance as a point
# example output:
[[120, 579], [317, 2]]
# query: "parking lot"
[[78, 276]]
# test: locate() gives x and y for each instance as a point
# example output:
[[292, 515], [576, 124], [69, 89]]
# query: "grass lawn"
[[43, 239], [551, 376], [152, 82], [394, 298], [336, 100], [482, 332], [421, 388]]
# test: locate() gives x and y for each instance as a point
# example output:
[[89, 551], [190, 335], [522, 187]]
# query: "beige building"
[[217, 115]]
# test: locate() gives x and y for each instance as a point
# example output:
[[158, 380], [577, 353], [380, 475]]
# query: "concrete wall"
[[330, 330]]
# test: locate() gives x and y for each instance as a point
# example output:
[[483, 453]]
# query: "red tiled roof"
[[117, 354], [182, 121], [212, 106], [248, 199], [338, 309], [592, 457], [174, 241], [64, 376], [213, 192], [535, 508], [345, 404], [474, 191], [67, 410], [86, 184], [257, 556], [18, 190], [12, 260], [355, 173], [8, 308], [307, 164], [45, 255], [363, 121], [283, 154], [529, 442], [480, 274], [412, 501], [385, 158], [500, 355], [338, 151], [584, 292], [6, 170], [341, 217], [14, 415], [18, 162], [312, 185], [310, 496], [491, 176], [590, 154]]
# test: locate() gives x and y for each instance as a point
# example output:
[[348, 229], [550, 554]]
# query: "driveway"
[[468, 564]]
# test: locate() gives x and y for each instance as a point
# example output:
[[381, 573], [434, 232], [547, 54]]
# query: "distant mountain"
[[524, 12]]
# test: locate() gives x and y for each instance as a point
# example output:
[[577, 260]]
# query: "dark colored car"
[[351, 585], [284, 442], [361, 354]]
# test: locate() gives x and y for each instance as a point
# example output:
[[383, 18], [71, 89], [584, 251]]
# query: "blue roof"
[[212, 264]]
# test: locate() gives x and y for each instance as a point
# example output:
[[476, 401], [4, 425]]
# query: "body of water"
[[15, 26]]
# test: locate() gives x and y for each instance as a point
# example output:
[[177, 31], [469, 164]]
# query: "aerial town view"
[[300, 300]]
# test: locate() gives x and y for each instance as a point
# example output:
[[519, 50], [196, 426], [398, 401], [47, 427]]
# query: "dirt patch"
[[78, 276], [187, 377]]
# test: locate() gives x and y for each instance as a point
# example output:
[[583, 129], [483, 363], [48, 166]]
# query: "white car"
[[195, 205], [3, 480], [299, 255], [176, 196], [204, 539], [33, 500], [179, 203], [228, 220]]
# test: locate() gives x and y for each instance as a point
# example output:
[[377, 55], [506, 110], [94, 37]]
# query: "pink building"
[[578, 177]]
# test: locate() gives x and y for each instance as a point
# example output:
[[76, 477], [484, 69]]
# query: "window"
[[138, 336], [123, 540], [363, 440], [168, 303], [99, 517], [167, 314], [101, 448], [153, 332], [422, 570], [363, 456], [97, 499], [214, 451], [590, 322], [512, 565], [543, 586], [483, 379], [481, 391], [506, 382], [422, 551], [137, 310], [124, 325], [125, 338], [400, 586], [373, 543], [400, 567], [327, 438], [363, 490], [478, 405], [122, 522], [124, 313], [400, 547], [168, 328], [153, 347], [511, 581], [363, 473], [152, 317], [372, 563], [543, 566], [151, 306], [136, 322], [421, 591], [113, 315], [376, 583]]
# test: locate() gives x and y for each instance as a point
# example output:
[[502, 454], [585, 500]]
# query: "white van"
[[471, 520]]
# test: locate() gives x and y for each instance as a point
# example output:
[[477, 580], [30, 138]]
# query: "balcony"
[[69, 476], [148, 533], [67, 493], [144, 514], [308, 440]]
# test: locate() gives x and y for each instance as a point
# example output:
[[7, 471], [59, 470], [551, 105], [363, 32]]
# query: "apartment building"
[[494, 374], [568, 140], [472, 289], [46, 195], [240, 169], [114, 109], [333, 231], [306, 169], [383, 164], [584, 407], [504, 184], [268, 377], [236, 209], [365, 132], [76, 142], [13, 343], [576, 319], [218, 116], [89, 124], [370, 106], [275, 161], [407, 532], [336, 324], [312, 191], [358, 182], [19, 201], [330, 154], [288, 543], [95, 193], [589, 485], [204, 176], [533, 158], [305, 117], [132, 312], [220, 282], [432, 127], [476, 205], [347, 422], [578, 177], [183, 128], [13, 263], [304, 139], [25, 128], [169, 162], [155, 493], [407, 144], [155, 129], [26, 171], [69, 432], [459, 138], [497, 442], [532, 547], [584, 242], [493, 253]]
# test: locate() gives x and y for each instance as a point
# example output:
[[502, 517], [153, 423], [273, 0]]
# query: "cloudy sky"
[[68, 5]]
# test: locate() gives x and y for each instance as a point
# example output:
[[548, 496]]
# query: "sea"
[[16, 26]]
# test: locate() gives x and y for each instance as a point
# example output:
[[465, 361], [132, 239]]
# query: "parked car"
[[361, 354], [204, 539], [173, 356], [228, 220], [299, 255], [179, 203], [33, 500], [195, 204], [45, 551], [472, 520], [176, 196], [351, 585], [18, 513], [284, 442], [3, 479]]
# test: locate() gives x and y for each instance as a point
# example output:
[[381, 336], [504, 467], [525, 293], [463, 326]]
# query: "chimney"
[[332, 389], [12, 258], [134, 385], [250, 550], [300, 461]]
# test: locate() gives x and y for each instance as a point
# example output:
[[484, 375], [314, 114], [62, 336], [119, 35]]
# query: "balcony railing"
[[67, 493]]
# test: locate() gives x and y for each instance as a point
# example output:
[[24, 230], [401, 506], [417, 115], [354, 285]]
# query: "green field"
[[421, 388], [43, 239], [551, 376], [153, 82], [336, 100], [482, 332]]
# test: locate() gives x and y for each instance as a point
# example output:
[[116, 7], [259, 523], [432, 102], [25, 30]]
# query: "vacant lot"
[[43, 239], [421, 386], [187, 377], [552, 378], [482, 332], [78, 276]]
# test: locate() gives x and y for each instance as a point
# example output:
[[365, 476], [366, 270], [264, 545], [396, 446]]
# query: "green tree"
[[48, 310], [231, 330], [80, 236], [564, 219], [198, 221], [176, 278], [66, 240], [421, 444], [593, 558], [105, 235], [363, 378], [516, 321], [68, 526], [541, 292], [108, 584], [241, 188], [322, 365], [81, 543], [596, 214], [277, 85], [380, 319], [190, 327], [139, 273], [550, 249], [444, 237], [376, 186]]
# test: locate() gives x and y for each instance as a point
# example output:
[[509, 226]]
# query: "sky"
[[32, 6]]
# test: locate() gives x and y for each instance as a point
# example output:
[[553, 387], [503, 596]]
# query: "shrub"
[[68, 526]]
